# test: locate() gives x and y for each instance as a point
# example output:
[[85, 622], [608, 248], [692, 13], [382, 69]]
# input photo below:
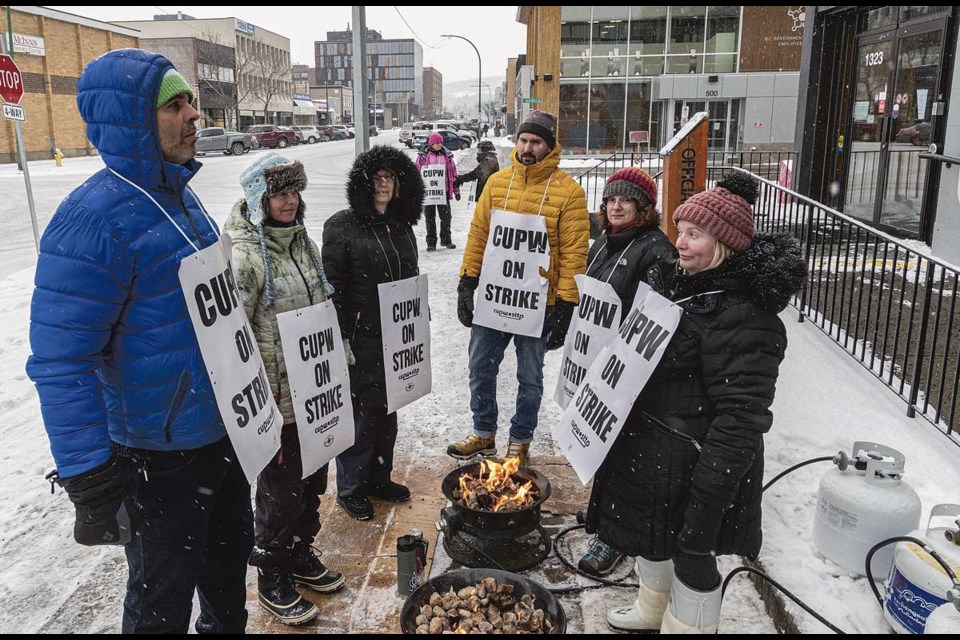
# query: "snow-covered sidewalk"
[[825, 401]]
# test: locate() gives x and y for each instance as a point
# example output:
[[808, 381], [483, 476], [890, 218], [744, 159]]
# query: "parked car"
[[918, 133], [444, 126], [461, 129], [272, 136], [345, 129], [451, 140], [373, 130], [406, 133], [296, 134], [351, 130], [228, 142], [307, 133]]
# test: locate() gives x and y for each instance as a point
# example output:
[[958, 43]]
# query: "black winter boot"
[[310, 572], [279, 597]]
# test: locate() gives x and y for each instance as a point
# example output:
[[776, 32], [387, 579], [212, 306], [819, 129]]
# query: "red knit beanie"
[[632, 182], [726, 211]]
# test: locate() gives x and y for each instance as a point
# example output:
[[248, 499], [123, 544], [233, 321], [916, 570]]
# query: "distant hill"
[[461, 96]]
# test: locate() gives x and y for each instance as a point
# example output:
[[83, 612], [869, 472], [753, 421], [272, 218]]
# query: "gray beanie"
[[540, 123]]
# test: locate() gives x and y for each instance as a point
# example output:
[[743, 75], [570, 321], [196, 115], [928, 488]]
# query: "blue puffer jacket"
[[109, 328]]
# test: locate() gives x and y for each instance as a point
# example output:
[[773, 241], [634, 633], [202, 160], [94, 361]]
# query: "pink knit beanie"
[[435, 138], [726, 211]]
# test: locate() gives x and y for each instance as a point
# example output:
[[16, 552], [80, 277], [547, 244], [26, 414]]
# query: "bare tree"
[[273, 77], [222, 65]]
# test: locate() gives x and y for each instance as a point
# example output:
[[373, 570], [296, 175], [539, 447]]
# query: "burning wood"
[[486, 607], [495, 489]]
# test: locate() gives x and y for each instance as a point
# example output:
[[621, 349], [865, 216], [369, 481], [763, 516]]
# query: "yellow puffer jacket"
[[564, 209]]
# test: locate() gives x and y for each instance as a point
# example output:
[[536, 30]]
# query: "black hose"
[[923, 545], [795, 467], [781, 588], [569, 565]]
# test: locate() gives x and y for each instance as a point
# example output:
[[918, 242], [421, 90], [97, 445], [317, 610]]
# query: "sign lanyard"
[[543, 199], [618, 259], [705, 293], [384, 251], [169, 217]]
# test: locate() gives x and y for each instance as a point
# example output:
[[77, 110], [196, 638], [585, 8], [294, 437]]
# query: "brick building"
[[60, 46]]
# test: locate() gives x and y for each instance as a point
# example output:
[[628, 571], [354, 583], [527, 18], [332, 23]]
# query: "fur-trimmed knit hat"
[[268, 175], [726, 211], [632, 182], [540, 123], [172, 85], [435, 138]]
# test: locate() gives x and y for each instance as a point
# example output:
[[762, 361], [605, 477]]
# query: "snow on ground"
[[825, 402]]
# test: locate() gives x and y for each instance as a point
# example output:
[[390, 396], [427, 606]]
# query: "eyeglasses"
[[383, 177]]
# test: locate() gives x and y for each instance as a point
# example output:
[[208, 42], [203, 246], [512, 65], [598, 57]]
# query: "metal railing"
[[886, 302], [762, 163]]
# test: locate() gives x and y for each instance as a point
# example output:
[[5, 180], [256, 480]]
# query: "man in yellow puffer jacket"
[[533, 185]]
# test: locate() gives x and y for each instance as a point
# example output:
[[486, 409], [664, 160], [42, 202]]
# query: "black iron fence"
[[766, 164], [886, 302]]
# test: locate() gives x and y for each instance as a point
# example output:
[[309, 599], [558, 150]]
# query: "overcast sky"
[[494, 30]]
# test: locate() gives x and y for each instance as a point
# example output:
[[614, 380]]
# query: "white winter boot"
[[647, 610], [691, 611]]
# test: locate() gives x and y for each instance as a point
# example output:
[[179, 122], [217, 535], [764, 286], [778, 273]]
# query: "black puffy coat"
[[362, 249], [687, 469], [626, 264], [486, 167]]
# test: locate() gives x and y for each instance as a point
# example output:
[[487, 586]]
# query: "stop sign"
[[11, 82]]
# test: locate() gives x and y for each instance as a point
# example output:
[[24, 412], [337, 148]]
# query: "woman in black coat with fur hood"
[[682, 483], [371, 243]]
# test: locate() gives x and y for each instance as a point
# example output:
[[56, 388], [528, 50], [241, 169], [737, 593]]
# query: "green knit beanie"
[[172, 85]]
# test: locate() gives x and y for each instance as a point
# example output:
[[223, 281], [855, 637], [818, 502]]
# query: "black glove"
[[103, 499], [468, 284], [559, 323], [457, 182], [701, 528], [457, 196]]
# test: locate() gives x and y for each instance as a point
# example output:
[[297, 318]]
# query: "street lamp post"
[[479, 69]]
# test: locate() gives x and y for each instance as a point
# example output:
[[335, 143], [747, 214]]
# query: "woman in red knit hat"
[[631, 243], [682, 484]]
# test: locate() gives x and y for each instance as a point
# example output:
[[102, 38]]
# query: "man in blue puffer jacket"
[[117, 365]]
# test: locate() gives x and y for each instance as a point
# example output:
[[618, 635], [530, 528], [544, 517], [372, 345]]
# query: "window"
[[648, 30], [687, 25], [723, 23]]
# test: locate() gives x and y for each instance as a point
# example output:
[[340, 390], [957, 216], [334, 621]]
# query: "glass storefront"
[[898, 75], [609, 56]]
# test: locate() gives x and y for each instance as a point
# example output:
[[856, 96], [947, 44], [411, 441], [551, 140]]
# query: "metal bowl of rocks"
[[481, 600]]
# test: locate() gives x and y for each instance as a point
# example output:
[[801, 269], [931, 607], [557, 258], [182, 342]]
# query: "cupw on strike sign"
[[11, 82]]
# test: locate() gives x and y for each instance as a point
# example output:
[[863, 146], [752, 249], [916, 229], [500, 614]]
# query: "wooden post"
[[684, 169]]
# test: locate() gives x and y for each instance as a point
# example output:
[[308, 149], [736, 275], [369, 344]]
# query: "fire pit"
[[510, 537], [461, 578]]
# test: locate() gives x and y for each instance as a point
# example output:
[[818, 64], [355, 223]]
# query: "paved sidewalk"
[[365, 552]]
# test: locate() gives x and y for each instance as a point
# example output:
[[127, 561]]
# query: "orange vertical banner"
[[684, 169]]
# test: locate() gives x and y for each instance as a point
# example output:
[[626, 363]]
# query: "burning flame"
[[496, 477]]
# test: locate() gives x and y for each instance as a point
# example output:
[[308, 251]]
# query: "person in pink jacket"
[[436, 154]]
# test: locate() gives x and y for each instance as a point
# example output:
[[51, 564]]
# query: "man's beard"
[[528, 158]]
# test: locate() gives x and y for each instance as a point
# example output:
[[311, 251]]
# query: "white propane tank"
[[859, 507], [918, 585]]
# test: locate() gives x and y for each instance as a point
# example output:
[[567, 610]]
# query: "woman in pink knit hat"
[[682, 483], [435, 154]]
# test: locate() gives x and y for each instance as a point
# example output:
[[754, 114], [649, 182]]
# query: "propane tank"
[[862, 502], [918, 585]]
